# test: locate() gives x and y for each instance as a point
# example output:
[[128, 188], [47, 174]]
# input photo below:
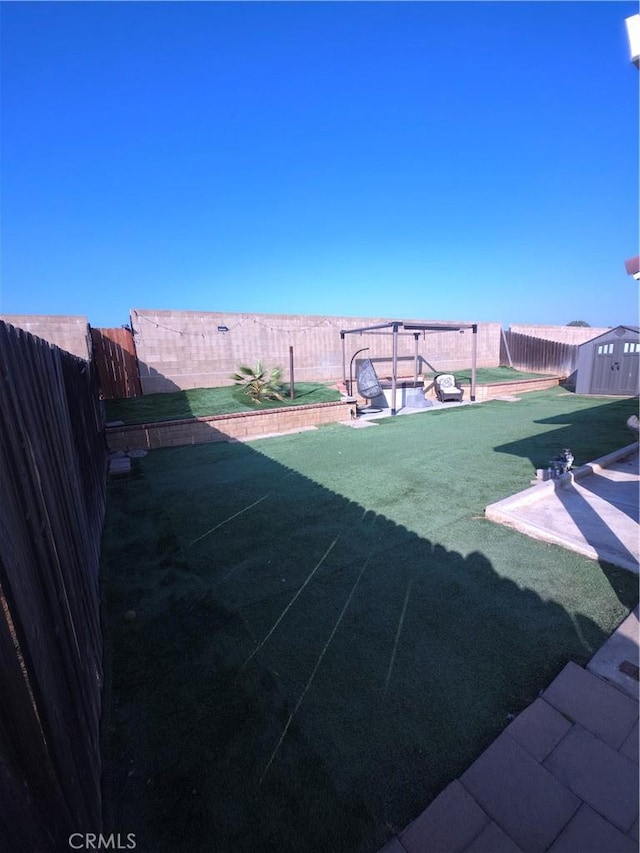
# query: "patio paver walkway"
[[562, 777]]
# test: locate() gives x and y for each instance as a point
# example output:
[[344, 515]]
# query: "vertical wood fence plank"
[[53, 470], [538, 355], [114, 355]]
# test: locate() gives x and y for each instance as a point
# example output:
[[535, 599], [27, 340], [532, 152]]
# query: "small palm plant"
[[258, 383]]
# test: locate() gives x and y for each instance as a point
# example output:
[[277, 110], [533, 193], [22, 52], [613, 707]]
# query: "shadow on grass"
[[585, 430], [300, 674], [205, 402], [171, 403]]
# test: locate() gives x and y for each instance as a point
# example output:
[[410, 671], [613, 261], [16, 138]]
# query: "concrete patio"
[[592, 510]]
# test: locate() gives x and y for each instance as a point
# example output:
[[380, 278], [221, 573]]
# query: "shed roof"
[[633, 329]]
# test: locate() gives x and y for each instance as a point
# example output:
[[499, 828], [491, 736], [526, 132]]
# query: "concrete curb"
[[540, 490], [602, 462], [621, 648], [520, 513]]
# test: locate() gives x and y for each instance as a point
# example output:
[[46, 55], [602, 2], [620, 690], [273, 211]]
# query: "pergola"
[[393, 328]]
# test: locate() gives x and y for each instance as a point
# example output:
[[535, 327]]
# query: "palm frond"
[[258, 383]]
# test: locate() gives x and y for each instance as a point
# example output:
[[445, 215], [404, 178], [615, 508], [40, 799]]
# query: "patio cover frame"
[[393, 328]]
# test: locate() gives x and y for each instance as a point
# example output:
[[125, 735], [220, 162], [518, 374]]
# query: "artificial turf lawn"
[[328, 630], [487, 375], [205, 402]]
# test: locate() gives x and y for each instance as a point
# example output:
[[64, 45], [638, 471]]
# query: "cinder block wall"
[[241, 426], [70, 333], [184, 349], [562, 334]]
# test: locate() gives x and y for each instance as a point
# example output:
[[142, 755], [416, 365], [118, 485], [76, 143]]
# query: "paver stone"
[[523, 798], [602, 777], [589, 832], [449, 824]]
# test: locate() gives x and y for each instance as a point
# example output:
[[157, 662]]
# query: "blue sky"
[[429, 160]]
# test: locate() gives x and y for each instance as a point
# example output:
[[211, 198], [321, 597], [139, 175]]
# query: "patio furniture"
[[369, 385], [447, 388]]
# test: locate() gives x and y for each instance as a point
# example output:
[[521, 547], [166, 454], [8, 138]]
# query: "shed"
[[608, 364]]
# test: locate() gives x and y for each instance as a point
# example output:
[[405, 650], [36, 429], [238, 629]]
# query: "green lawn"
[[203, 402], [327, 628], [486, 375]]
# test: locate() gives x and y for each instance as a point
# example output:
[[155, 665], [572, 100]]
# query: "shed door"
[[615, 368], [629, 367]]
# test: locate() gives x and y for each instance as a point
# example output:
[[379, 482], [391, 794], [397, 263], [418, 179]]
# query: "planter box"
[[407, 390], [520, 386], [238, 426], [491, 390]]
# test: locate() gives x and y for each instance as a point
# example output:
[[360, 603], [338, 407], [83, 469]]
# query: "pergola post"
[[474, 353], [506, 346], [394, 369], [393, 326]]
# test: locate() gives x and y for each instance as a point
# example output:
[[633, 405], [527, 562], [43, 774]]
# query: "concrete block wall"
[[562, 334], [184, 349], [69, 332], [239, 426], [504, 389]]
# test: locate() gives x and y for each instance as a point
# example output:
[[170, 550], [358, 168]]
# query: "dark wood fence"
[[536, 354], [53, 474], [114, 355]]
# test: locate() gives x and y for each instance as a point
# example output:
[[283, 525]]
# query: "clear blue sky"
[[430, 160]]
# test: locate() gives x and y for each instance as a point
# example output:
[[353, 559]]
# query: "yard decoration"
[[561, 464], [258, 383]]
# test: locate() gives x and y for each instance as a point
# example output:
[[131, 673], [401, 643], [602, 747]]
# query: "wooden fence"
[[53, 474], [114, 355], [524, 352]]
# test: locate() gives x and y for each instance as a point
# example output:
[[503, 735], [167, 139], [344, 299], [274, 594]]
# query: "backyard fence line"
[[524, 352], [179, 350], [53, 471]]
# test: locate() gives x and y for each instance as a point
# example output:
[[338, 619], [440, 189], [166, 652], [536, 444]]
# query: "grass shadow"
[[205, 402], [290, 669], [584, 427]]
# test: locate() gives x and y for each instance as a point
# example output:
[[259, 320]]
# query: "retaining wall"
[[503, 389], [245, 425], [239, 425], [485, 391], [184, 349]]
